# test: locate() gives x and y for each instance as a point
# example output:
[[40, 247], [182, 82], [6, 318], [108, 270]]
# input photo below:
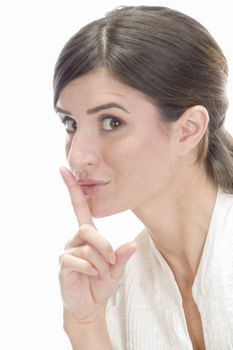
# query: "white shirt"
[[146, 311]]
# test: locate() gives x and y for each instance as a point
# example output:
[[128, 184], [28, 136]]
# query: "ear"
[[192, 126]]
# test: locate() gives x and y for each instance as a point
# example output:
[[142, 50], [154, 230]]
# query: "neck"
[[178, 221]]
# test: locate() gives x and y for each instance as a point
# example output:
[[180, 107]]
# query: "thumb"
[[123, 253]]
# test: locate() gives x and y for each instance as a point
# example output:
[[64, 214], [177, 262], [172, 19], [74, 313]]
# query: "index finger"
[[79, 202]]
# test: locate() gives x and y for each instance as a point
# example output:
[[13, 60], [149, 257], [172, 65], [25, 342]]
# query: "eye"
[[111, 123], [70, 124]]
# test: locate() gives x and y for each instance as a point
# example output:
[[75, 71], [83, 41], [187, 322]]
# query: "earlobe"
[[193, 125]]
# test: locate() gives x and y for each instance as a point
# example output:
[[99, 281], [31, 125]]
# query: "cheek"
[[136, 154], [138, 167]]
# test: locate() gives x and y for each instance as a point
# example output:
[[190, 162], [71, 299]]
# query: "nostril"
[[79, 158]]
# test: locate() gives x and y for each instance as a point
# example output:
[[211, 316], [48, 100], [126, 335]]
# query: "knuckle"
[[83, 229], [87, 251]]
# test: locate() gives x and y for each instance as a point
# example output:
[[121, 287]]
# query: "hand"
[[89, 268]]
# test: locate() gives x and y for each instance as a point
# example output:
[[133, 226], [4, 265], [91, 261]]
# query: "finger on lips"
[[87, 232], [78, 199]]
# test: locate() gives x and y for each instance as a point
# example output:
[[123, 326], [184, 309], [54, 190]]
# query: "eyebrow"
[[95, 109], [60, 110], [106, 106]]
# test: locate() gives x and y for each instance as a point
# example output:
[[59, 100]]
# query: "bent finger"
[[92, 256], [70, 263]]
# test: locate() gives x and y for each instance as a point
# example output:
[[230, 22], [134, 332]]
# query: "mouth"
[[90, 189]]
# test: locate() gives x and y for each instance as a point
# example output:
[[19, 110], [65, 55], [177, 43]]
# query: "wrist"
[[90, 324], [88, 334], [92, 319]]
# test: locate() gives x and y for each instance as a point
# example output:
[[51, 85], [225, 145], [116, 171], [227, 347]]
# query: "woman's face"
[[116, 135]]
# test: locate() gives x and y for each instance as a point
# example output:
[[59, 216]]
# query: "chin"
[[100, 211]]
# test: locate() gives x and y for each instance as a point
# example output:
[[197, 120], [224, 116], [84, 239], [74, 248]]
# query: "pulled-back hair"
[[168, 56]]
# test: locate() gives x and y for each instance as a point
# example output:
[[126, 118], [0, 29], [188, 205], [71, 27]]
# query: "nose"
[[82, 152]]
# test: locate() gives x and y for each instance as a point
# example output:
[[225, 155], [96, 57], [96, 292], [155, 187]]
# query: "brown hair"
[[168, 56]]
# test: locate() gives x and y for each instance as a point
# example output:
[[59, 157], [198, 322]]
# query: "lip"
[[90, 186]]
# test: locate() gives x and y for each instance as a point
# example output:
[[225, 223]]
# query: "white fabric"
[[146, 311]]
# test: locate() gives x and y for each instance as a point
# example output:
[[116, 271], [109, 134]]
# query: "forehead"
[[100, 83]]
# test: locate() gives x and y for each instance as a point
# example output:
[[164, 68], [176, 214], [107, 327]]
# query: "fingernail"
[[112, 258], [76, 174]]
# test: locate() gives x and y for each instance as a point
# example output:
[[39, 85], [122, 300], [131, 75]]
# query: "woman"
[[142, 95]]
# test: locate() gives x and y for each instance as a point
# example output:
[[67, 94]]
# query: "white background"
[[36, 215]]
